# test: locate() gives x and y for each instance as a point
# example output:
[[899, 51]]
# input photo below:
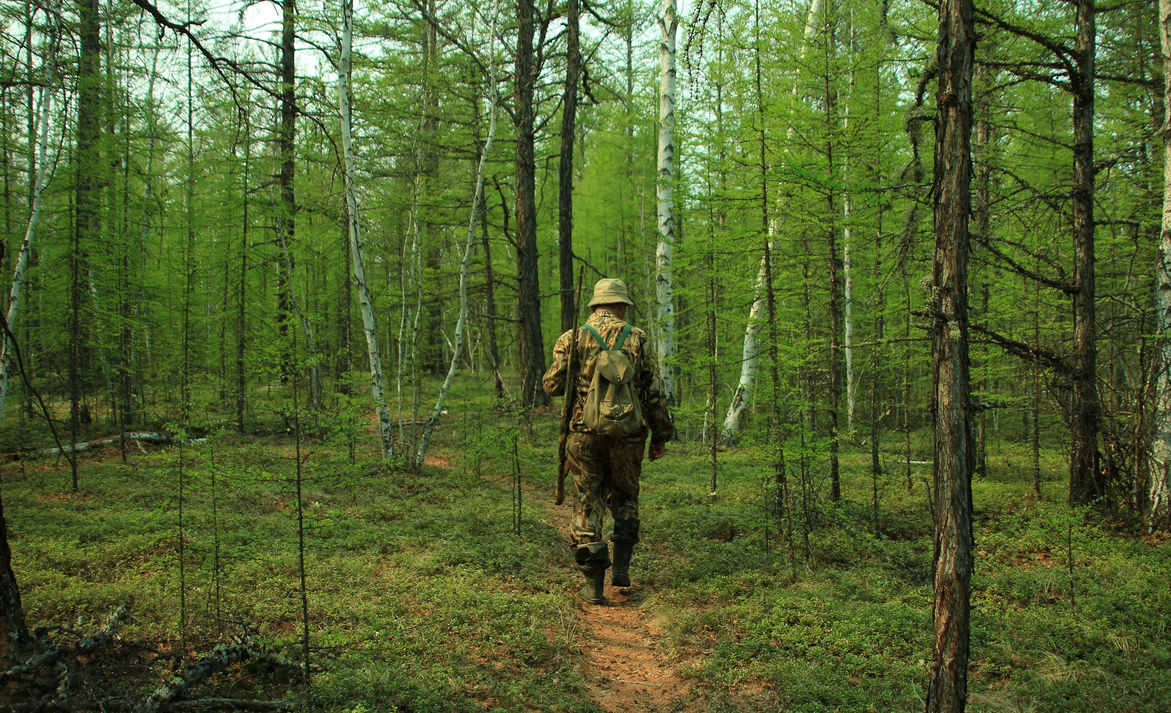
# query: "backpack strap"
[[598, 337], [622, 337]]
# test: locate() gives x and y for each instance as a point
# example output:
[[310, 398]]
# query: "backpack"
[[611, 407]]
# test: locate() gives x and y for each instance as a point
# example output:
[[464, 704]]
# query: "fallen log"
[[224, 655], [233, 704], [135, 437], [158, 439], [56, 653]]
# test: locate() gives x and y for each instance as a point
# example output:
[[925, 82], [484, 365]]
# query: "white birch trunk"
[[1160, 493], [366, 302], [742, 397], [46, 109], [848, 274], [457, 341], [664, 252], [847, 269]]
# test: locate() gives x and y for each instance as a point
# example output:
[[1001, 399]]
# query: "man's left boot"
[[593, 560], [624, 538]]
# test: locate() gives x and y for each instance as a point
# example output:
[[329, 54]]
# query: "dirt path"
[[626, 666]]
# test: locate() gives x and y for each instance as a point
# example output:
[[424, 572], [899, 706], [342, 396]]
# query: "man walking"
[[606, 468]]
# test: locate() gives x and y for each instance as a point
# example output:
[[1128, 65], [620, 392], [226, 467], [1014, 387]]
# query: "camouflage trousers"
[[606, 472]]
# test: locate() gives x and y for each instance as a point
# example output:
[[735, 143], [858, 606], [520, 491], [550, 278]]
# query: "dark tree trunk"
[[241, 314], [287, 145], [835, 381], [983, 170], [490, 296], [951, 401], [532, 346], [434, 358], [568, 131], [15, 642], [1085, 482], [87, 227]]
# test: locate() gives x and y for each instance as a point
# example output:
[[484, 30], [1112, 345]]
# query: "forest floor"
[[422, 596]]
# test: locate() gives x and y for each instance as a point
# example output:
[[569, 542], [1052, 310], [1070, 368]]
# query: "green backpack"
[[611, 406]]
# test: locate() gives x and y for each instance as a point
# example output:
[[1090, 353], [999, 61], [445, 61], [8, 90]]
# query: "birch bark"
[[457, 341], [664, 193], [1160, 461], [46, 109], [365, 300]]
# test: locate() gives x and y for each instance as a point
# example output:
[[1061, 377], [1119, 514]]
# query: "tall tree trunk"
[[565, 196], [980, 211], [45, 112], [532, 343], [365, 299], [879, 309], [434, 348], [15, 640], [287, 137], [848, 315], [664, 192], [490, 298], [345, 316], [951, 401], [847, 262], [835, 326], [1085, 482], [87, 226], [1159, 517], [241, 306]]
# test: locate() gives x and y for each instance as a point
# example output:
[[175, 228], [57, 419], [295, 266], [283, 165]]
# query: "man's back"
[[637, 348]]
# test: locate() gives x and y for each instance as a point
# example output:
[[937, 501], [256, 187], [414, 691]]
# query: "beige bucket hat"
[[609, 291]]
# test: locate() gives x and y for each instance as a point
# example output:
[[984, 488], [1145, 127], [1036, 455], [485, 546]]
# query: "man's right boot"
[[593, 559], [620, 577], [624, 538]]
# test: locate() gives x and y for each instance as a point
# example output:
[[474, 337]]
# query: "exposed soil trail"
[[626, 666]]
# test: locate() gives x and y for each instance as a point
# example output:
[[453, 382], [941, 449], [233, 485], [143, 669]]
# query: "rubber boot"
[[620, 577], [593, 560], [594, 590], [624, 538]]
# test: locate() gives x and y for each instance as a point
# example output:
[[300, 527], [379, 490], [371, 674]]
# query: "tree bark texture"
[[532, 343], [287, 146], [45, 106], [1159, 517], [664, 193], [1085, 481], [568, 132], [15, 640], [951, 401], [835, 307], [87, 227], [365, 300]]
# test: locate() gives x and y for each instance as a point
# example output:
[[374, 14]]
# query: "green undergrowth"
[[846, 624], [422, 597]]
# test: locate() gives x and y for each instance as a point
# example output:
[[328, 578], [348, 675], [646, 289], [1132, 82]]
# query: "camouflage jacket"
[[646, 368]]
